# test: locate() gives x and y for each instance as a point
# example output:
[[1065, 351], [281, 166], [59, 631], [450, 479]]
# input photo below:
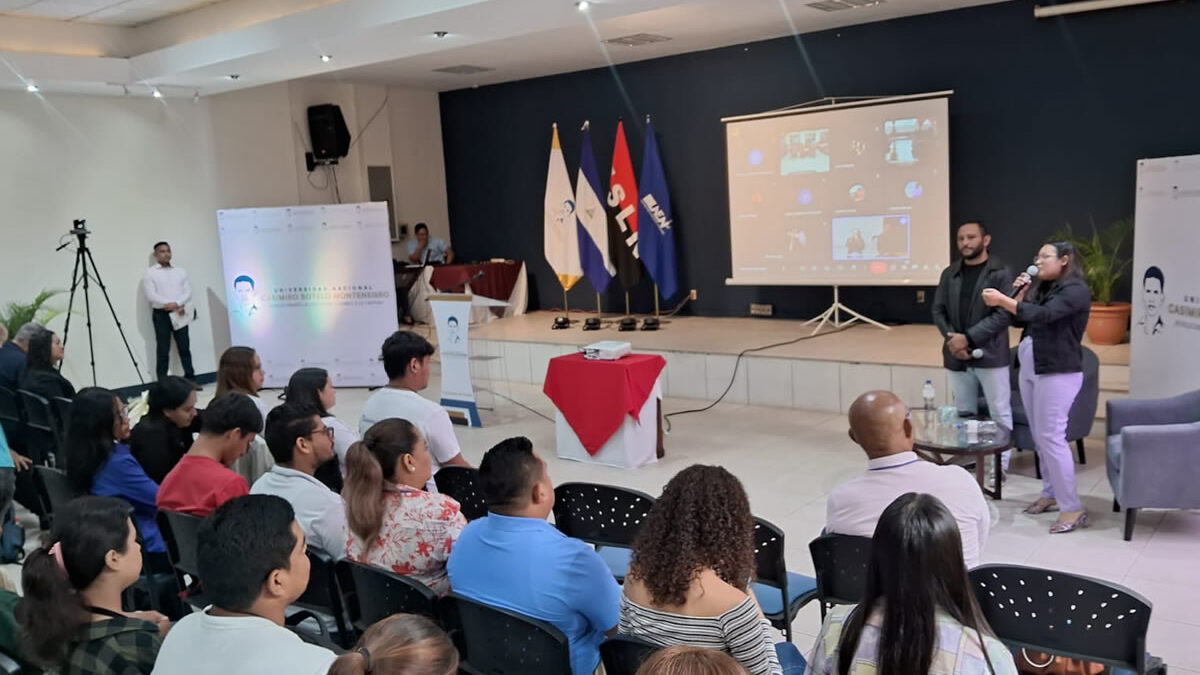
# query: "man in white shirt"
[[879, 422], [300, 442], [251, 554], [406, 360], [169, 292]]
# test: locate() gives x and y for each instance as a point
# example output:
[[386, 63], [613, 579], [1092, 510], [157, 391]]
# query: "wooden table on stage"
[[939, 443], [497, 280]]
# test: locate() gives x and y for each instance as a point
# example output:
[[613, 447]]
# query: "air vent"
[[637, 39], [839, 5], [463, 70]]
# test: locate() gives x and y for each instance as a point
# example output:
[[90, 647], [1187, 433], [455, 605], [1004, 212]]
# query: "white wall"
[[138, 171], [418, 162]]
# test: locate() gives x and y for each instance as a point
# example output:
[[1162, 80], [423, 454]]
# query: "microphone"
[[1032, 271]]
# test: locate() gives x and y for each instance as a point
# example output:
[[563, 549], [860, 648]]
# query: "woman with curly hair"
[[688, 583]]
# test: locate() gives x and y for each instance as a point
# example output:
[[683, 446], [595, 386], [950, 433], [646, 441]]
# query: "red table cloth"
[[497, 281], [595, 396]]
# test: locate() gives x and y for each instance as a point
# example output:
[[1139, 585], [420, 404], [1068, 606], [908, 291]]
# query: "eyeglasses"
[[328, 431]]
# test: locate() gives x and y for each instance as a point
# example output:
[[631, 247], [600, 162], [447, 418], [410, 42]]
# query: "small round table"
[[939, 443]]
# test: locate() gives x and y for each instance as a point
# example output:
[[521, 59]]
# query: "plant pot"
[[1107, 324]]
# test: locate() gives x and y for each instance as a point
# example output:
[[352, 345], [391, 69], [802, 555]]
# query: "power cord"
[[732, 378]]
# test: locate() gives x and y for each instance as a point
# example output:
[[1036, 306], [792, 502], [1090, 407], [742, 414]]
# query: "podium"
[[452, 319]]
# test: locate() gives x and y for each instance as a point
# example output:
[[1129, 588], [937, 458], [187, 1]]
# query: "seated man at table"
[[406, 360], [880, 423], [515, 560], [439, 252]]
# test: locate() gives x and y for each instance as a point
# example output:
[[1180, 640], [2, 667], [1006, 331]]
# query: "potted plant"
[[1105, 263], [17, 314]]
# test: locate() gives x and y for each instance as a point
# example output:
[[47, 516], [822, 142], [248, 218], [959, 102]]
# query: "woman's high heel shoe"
[[1064, 526]]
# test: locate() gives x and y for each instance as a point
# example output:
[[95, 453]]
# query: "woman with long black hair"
[[1053, 311], [70, 614], [918, 613], [40, 375], [164, 434], [313, 389]]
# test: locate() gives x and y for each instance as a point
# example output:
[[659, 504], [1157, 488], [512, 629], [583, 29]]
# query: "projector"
[[606, 350]]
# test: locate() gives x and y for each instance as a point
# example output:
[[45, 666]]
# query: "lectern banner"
[[452, 316]]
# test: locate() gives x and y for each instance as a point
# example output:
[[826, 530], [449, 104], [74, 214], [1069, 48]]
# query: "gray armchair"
[[1154, 454]]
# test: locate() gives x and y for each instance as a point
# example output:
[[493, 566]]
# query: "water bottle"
[[928, 394]]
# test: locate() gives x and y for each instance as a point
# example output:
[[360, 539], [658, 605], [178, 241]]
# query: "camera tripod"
[[85, 271]]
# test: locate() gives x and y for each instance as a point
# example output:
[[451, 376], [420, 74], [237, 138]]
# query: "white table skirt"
[[634, 443]]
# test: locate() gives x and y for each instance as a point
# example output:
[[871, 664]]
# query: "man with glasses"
[[300, 442]]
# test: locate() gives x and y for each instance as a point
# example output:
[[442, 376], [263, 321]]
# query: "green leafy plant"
[[17, 314], [1104, 256]]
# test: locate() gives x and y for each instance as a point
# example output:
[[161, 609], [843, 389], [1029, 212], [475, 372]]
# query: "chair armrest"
[[1180, 409], [1160, 466]]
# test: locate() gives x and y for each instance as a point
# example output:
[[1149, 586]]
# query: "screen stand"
[[832, 316]]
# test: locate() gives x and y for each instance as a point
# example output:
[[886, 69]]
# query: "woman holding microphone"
[[1052, 311]]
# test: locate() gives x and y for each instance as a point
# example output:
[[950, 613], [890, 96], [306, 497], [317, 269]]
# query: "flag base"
[[650, 324], [592, 323], [561, 322], [628, 323]]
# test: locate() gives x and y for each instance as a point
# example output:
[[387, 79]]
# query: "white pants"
[[997, 390]]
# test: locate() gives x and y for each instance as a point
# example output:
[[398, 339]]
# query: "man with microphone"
[[976, 336]]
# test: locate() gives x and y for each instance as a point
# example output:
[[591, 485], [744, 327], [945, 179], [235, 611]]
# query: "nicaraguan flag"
[[656, 233], [561, 231], [591, 216]]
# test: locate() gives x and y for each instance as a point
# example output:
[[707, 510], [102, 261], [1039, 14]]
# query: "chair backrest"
[[494, 641], [600, 514], [1064, 614], [462, 484], [841, 562], [323, 593], [10, 405], [38, 413], [769, 565], [179, 532], [62, 416], [624, 654], [54, 488], [372, 594]]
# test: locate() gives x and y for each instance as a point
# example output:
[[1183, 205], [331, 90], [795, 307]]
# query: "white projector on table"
[[607, 350]]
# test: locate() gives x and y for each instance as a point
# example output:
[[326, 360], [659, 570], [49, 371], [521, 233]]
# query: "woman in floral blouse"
[[393, 522]]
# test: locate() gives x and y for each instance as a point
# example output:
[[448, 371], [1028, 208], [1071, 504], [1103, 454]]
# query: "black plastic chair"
[[462, 484], [53, 488], [179, 532], [780, 593], [841, 562], [494, 641], [606, 516], [323, 597], [10, 406], [1067, 615], [372, 594], [62, 416], [41, 424], [624, 654]]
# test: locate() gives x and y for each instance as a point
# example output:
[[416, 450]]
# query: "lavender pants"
[[1047, 400]]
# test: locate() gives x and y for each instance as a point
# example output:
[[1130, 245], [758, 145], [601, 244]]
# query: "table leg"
[[999, 475], [659, 450]]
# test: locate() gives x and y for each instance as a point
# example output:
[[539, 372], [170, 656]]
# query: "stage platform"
[[826, 372]]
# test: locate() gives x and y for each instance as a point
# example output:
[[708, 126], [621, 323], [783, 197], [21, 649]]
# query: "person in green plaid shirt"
[[71, 610]]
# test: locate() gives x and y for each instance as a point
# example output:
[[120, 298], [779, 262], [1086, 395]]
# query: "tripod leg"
[[71, 301], [87, 308], [120, 329]]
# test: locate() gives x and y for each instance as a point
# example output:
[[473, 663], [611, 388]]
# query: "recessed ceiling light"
[[440, 33], [157, 94], [32, 88], [233, 76], [326, 58], [583, 5]]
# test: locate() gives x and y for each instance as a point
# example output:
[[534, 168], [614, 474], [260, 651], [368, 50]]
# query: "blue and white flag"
[[656, 235], [592, 223]]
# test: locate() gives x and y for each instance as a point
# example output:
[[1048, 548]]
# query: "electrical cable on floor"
[[733, 378], [535, 412]]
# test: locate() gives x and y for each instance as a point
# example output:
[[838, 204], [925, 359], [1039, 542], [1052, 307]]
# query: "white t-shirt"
[[428, 417], [854, 507], [202, 644], [319, 510]]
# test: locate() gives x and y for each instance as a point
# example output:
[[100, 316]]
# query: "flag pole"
[[655, 295], [599, 312], [626, 303]]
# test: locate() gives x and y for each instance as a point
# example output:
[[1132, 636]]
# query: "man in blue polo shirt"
[[515, 560]]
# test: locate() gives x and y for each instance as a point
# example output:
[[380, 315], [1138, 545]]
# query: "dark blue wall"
[[1048, 119]]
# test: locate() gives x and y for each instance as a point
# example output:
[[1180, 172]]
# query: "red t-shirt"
[[198, 485]]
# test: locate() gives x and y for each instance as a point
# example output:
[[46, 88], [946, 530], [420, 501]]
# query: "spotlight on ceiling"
[[32, 88], [234, 76], [156, 94], [440, 33], [326, 58], [582, 5]]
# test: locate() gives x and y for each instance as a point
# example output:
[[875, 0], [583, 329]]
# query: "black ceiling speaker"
[[328, 132]]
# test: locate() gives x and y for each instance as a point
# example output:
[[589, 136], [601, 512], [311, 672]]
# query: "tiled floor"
[[789, 460]]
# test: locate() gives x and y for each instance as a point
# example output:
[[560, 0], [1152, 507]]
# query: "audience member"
[[880, 423], [300, 442], [252, 561], [406, 360], [918, 613], [71, 613], [402, 644], [40, 375], [12, 354], [162, 437], [8, 475], [394, 523], [423, 249], [10, 630], [240, 370], [202, 481], [515, 560], [681, 660], [99, 462], [692, 564], [313, 388]]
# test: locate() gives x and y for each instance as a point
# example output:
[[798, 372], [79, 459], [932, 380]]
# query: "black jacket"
[[47, 383], [1055, 315], [158, 444], [985, 327]]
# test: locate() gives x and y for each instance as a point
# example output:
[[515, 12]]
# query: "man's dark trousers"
[[162, 339]]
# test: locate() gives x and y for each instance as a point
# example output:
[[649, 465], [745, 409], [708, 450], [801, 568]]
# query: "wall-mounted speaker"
[[328, 132]]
